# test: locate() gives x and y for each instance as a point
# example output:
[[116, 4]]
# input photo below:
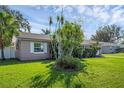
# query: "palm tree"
[[62, 17], [45, 31], [8, 27], [23, 23], [50, 23]]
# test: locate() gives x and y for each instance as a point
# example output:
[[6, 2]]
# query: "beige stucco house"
[[30, 46]]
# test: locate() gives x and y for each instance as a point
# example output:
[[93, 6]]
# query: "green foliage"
[[71, 36], [91, 51], [108, 33], [45, 31], [11, 22], [23, 23], [120, 50], [78, 52], [66, 37], [8, 28], [68, 63]]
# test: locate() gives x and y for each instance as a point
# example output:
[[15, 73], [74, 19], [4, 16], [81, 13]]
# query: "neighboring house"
[[30, 46], [88, 43], [108, 48]]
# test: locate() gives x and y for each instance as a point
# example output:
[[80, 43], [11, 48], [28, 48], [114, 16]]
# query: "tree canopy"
[[11, 23], [8, 27], [108, 33], [23, 23]]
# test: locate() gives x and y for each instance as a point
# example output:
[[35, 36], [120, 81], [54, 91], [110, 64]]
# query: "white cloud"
[[92, 15], [68, 9], [87, 35], [37, 7], [36, 28], [117, 16], [81, 9], [101, 14]]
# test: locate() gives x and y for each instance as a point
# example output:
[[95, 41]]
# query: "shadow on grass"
[[53, 77], [14, 62]]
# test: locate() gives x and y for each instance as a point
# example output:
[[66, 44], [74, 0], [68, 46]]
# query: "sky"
[[92, 16]]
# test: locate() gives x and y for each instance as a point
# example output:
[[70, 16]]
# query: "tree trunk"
[[2, 52], [70, 52]]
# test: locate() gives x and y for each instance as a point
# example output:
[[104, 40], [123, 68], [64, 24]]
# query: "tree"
[[8, 27], [66, 37], [50, 23], [11, 23], [23, 23], [109, 33], [71, 36], [45, 31]]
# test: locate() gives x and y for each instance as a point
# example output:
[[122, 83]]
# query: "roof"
[[108, 44], [33, 36], [88, 42]]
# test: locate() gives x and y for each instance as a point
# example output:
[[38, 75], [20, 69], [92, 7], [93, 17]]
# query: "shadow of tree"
[[14, 62], [53, 76]]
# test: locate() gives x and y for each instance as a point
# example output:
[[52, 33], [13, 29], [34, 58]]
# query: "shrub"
[[68, 63], [91, 51], [120, 50], [77, 52]]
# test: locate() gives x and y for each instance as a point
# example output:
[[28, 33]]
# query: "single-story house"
[[30, 46], [108, 48]]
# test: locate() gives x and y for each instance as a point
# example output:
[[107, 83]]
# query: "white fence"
[[9, 52]]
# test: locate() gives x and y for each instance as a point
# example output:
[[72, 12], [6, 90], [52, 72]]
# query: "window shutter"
[[31, 47], [45, 47]]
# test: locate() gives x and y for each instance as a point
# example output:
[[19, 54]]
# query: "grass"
[[105, 72], [114, 55]]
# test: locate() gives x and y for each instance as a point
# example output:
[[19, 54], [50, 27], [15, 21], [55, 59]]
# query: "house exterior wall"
[[23, 52], [108, 49], [85, 46]]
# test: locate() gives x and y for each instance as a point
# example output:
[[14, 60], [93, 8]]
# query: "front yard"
[[100, 72]]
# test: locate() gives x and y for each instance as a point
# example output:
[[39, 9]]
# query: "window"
[[38, 47]]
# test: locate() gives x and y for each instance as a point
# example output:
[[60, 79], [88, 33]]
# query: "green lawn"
[[114, 55], [100, 72]]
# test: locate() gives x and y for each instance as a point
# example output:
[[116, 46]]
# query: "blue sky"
[[92, 16]]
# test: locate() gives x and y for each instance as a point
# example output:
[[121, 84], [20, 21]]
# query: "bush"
[[68, 63], [120, 50], [77, 52], [91, 51]]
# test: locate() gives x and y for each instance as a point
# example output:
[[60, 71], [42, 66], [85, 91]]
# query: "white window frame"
[[32, 48]]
